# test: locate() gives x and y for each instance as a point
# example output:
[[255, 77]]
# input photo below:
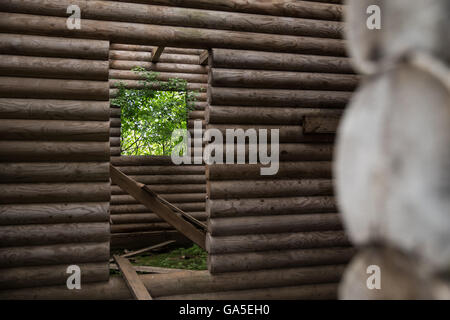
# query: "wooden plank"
[[150, 269], [203, 58], [136, 286], [137, 190], [156, 53], [156, 246]]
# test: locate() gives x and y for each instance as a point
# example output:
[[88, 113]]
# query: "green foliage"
[[150, 116], [193, 258]]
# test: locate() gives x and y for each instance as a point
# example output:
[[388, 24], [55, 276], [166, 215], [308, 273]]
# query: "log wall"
[[288, 219], [54, 160]]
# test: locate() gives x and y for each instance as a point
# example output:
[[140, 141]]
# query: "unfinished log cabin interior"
[[68, 195]]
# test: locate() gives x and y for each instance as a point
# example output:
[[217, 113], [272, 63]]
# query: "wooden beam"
[[132, 280], [139, 192], [203, 58], [156, 246], [150, 269], [156, 53]]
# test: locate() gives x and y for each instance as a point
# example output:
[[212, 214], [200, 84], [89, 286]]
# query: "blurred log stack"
[[392, 167]]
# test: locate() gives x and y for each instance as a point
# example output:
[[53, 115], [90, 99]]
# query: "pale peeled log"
[[406, 26], [393, 164]]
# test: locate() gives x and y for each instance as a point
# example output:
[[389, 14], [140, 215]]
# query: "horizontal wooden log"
[[32, 45], [140, 227], [138, 84], [53, 109], [136, 208], [305, 292], [163, 170], [178, 58], [196, 115], [218, 263], [133, 47], [275, 241], [139, 33], [46, 234], [275, 284], [15, 87], [54, 172], [301, 9], [25, 151], [115, 122], [277, 97], [320, 125], [158, 67], [130, 55], [286, 133], [169, 188], [188, 17], [136, 218], [198, 105], [54, 254], [242, 78], [245, 59], [114, 141], [115, 113], [141, 161], [269, 188], [161, 76], [53, 213], [173, 198], [232, 226], [42, 276], [59, 68], [115, 151], [263, 115], [270, 206], [55, 192], [307, 169], [65, 130], [168, 179]]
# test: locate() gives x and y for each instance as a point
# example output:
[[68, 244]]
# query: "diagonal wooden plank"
[[203, 58], [156, 53], [134, 283], [137, 191]]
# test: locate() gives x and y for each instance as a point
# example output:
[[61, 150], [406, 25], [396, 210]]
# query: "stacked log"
[[290, 219], [54, 160]]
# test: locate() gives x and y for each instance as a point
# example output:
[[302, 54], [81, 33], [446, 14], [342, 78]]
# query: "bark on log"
[[54, 109], [162, 170], [136, 208], [15, 87], [231, 226], [277, 97], [55, 130], [275, 241], [168, 179], [175, 198], [53, 151], [54, 172], [270, 206], [32, 45], [59, 68], [244, 78], [132, 47], [135, 218], [218, 263], [53, 213], [245, 59], [164, 35], [169, 188]]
